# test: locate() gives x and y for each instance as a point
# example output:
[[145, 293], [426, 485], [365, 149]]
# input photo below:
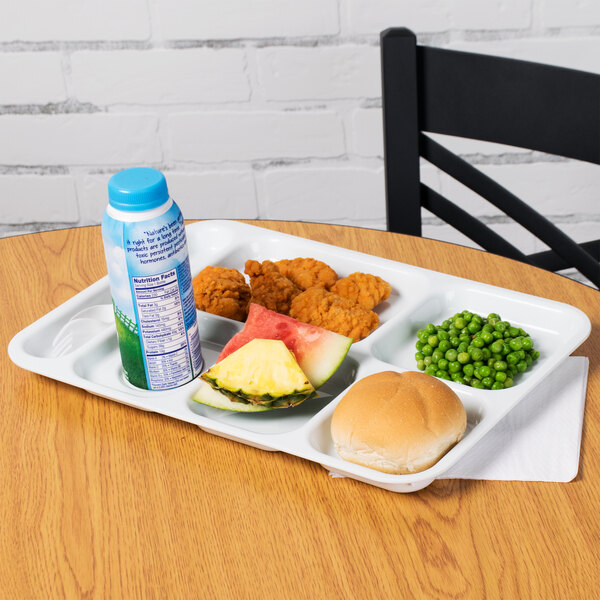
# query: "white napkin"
[[539, 440]]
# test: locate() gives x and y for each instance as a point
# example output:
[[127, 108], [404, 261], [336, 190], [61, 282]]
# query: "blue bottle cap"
[[137, 189]]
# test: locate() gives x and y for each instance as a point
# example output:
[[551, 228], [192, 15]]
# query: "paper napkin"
[[539, 440]]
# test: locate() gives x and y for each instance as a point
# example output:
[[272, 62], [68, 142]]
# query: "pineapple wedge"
[[262, 372]]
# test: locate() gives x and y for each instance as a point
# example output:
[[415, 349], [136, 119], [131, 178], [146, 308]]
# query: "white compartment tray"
[[90, 359]]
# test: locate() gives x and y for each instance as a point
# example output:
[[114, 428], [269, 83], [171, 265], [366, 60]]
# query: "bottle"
[[150, 281]]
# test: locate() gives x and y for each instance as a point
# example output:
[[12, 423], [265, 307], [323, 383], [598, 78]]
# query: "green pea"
[[437, 354], [508, 382], [477, 384], [522, 366], [454, 367], [456, 377], [476, 354], [500, 326], [427, 360], [463, 357], [419, 356], [515, 344], [496, 347], [487, 337], [421, 365], [442, 374], [497, 335], [454, 342], [442, 335], [497, 385], [430, 370], [488, 382], [500, 365], [427, 350], [430, 328], [460, 323], [451, 355], [488, 327], [514, 331], [462, 347], [512, 358], [445, 345], [478, 342], [433, 340], [500, 376], [473, 327], [527, 343], [478, 363], [468, 369], [484, 371]]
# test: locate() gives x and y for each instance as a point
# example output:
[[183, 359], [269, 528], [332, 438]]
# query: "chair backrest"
[[513, 102]]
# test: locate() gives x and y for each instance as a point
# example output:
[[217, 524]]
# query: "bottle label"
[[153, 299]]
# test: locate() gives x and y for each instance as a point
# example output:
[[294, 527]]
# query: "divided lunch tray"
[[76, 343]]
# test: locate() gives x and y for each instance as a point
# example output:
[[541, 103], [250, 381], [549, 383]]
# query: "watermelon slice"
[[318, 352]]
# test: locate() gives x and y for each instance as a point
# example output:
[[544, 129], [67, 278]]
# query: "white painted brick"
[[235, 136], [160, 76], [573, 53], [322, 72], [343, 195], [237, 19], [558, 13], [367, 132], [42, 198], [31, 78], [203, 195], [32, 20], [214, 194], [373, 16], [79, 139]]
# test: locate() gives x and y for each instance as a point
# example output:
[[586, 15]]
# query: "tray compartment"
[[319, 431]]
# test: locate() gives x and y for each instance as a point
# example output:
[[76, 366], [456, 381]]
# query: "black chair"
[[514, 102]]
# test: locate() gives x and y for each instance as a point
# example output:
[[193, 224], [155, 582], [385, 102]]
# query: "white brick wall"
[[257, 108]]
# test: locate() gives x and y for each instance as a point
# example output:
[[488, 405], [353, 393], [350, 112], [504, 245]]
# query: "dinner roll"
[[397, 422]]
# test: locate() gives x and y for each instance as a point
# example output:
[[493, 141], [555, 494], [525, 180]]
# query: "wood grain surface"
[[100, 500]]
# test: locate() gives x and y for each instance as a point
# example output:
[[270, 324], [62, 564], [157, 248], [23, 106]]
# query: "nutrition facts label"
[[162, 328]]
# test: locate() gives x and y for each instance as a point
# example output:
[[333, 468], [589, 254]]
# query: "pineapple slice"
[[262, 372]]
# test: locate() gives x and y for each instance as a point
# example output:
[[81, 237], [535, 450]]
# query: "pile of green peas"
[[483, 352]]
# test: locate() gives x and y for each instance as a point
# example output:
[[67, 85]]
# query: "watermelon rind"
[[211, 397]]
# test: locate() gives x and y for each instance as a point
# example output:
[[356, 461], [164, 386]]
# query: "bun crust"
[[397, 422]]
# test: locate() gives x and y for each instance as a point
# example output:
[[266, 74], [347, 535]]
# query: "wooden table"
[[99, 500]]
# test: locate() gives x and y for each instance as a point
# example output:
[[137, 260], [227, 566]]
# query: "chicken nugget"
[[317, 306], [222, 291], [269, 287], [307, 272], [365, 289]]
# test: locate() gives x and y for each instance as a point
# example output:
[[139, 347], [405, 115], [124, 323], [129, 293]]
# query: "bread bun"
[[397, 422]]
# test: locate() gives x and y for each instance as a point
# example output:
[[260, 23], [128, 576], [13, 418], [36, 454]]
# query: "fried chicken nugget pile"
[[269, 287], [223, 292], [303, 288], [317, 306], [365, 289]]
